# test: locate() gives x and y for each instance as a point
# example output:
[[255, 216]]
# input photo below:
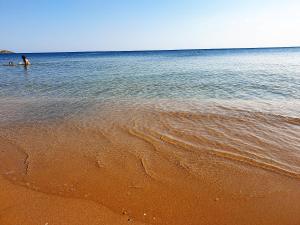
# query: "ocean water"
[[250, 74], [240, 105]]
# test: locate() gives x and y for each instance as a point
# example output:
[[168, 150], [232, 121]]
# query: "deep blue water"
[[250, 74]]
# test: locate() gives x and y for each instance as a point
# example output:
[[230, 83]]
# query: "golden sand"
[[150, 166]]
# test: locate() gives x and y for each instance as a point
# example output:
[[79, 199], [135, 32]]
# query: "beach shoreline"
[[133, 164]]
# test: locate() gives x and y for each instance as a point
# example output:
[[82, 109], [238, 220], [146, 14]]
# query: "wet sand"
[[151, 165]]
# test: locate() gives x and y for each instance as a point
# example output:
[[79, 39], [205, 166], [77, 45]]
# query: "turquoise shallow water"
[[229, 75], [204, 74]]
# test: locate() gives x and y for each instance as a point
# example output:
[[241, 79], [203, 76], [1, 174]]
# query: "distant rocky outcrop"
[[5, 52]]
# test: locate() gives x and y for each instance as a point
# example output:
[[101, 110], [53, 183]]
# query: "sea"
[[238, 104]]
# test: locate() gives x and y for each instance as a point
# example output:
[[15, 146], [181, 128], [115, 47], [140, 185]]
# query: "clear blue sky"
[[78, 25]]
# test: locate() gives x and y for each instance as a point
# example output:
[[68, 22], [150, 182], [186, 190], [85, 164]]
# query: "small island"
[[5, 52]]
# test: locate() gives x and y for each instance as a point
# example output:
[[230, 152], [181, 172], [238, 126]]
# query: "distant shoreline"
[[6, 52]]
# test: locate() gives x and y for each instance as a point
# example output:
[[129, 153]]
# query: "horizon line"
[[156, 50]]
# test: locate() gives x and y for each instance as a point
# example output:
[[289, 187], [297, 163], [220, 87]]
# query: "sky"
[[113, 25]]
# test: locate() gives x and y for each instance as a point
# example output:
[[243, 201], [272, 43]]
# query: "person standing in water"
[[25, 60]]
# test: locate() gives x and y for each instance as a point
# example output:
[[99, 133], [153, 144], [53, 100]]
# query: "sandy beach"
[[122, 164], [150, 112]]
